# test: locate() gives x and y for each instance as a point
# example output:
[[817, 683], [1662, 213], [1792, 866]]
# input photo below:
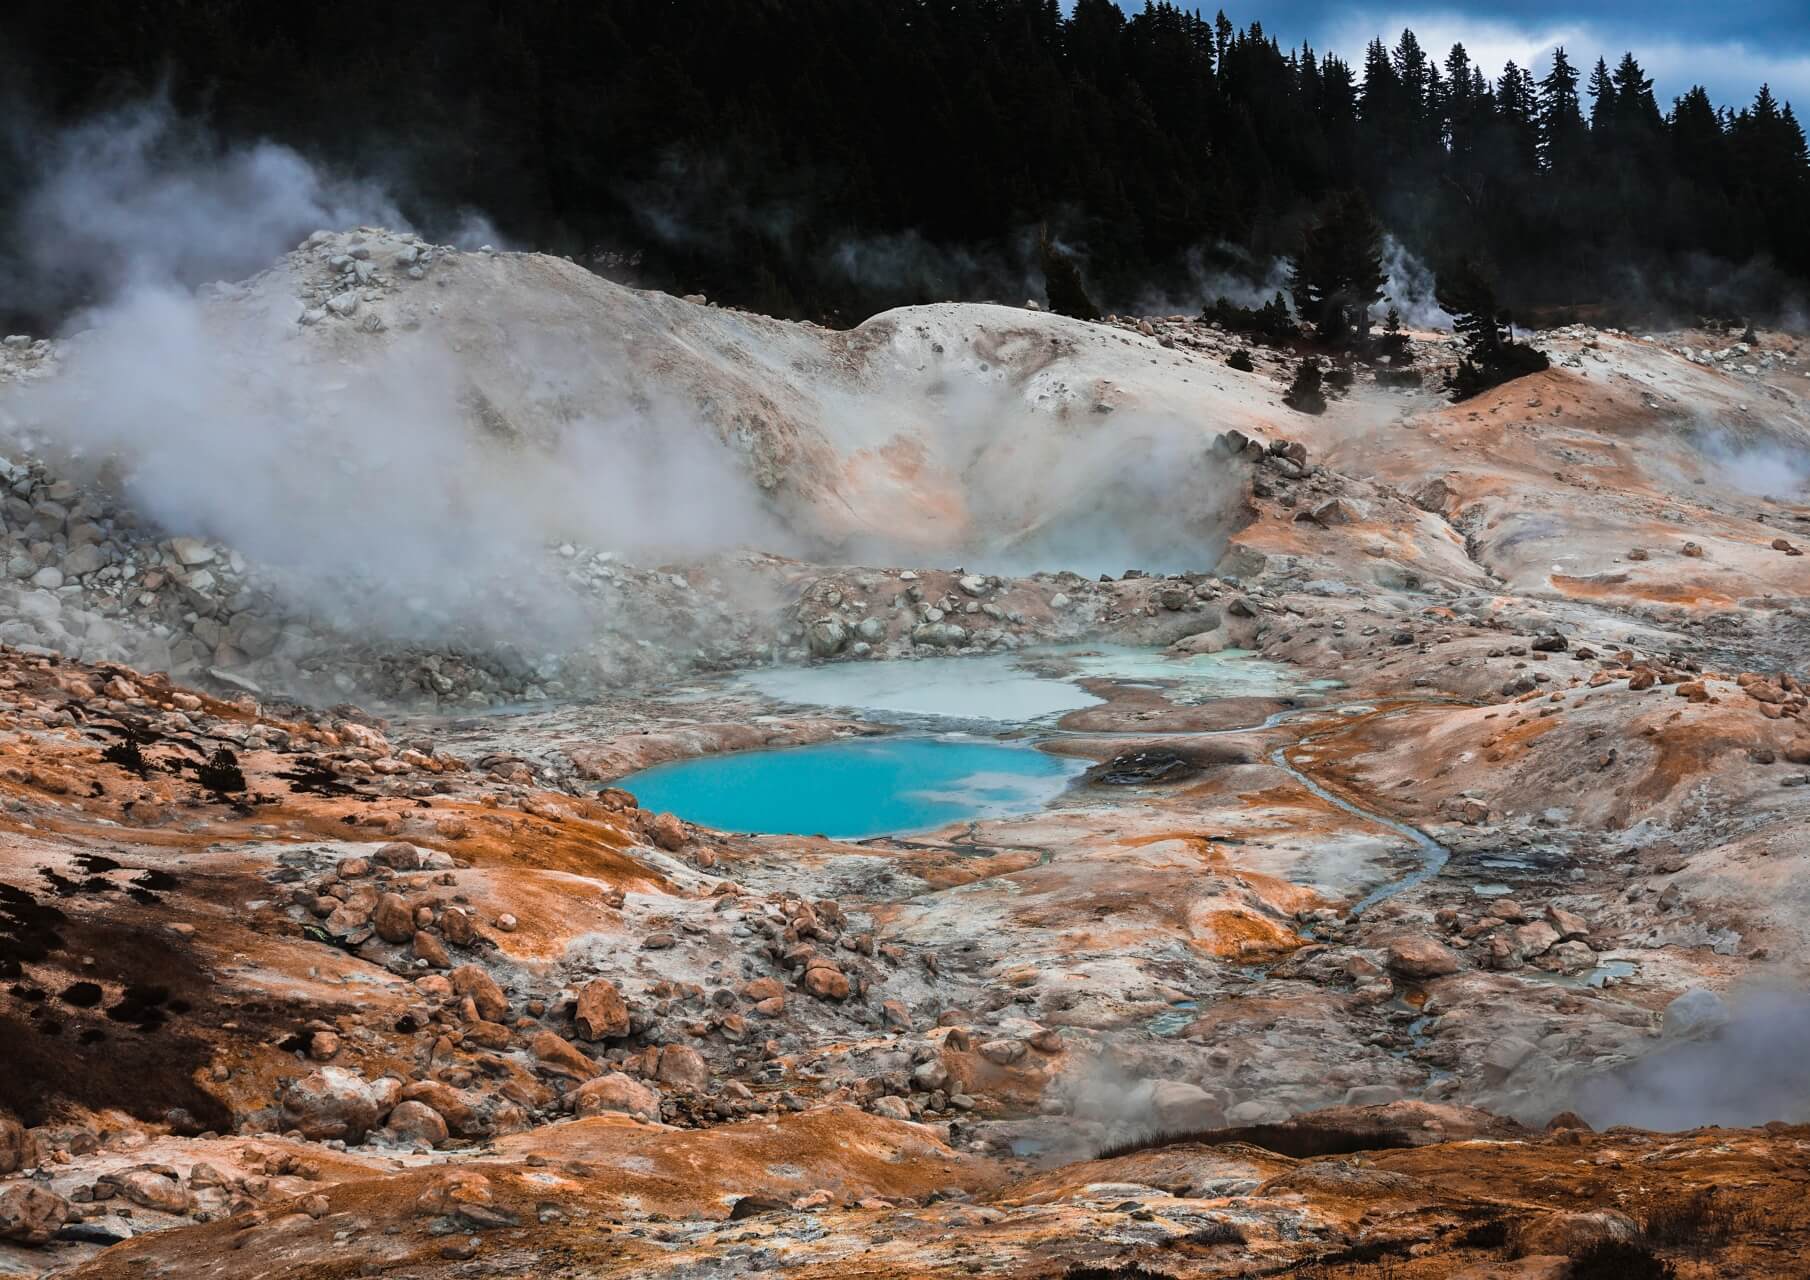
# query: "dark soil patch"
[[1300, 1142], [75, 1055], [28, 930], [312, 777], [148, 1080], [1155, 766]]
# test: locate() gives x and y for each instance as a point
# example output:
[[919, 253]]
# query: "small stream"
[[1434, 855]]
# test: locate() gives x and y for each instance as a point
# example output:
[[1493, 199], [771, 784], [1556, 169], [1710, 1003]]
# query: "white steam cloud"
[[1752, 1068], [1408, 287], [406, 468], [1758, 466], [137, 197], [356, 466], [1232, 274]]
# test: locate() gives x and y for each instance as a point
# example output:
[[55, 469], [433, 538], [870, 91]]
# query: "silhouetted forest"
[[827, 158]]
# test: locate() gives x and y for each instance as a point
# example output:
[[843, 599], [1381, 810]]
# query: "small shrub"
[[1619, 1260], [1702, 1221], [1299, 1142], [1241, 361], [1305, 393], [1270, 322], [1398, 377], [1216, 1232], [1366, 1253]]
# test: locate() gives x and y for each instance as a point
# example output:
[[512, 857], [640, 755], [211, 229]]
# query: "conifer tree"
[[1062, 283], [1338, 271], [1561, 120], [1491, 356]]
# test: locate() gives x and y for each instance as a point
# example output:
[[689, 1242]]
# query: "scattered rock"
[[1416, 956], [29, 1214], [601, 1013]]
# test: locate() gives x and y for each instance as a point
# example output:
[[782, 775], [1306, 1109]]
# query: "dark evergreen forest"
[[828, 158]]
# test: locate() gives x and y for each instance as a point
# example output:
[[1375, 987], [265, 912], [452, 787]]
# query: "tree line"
[[828, 158]]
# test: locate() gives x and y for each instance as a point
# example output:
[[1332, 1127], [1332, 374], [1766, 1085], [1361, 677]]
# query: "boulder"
[[667, 832], [825, 637], [1003, 1052], [891, 1107], [398, 855], [429, 948], [1418, 956], [1535, 939], [683, 1068], [151, 1189], [29, 1214], [561, 1056], [454, 1106], [1697, 1011], [469, 980], [616, 1092], [1179, 1107], [826, 982], [930, 1076], [394, 919], [332, 1103], [417, 1122], [601, 1013], [1336, 511], [458, 927], [759, 989]]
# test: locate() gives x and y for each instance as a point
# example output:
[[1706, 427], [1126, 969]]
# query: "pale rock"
[[152, 1190], [1693, 1013], [616, 1092], [331, 1103], [891, 1107]]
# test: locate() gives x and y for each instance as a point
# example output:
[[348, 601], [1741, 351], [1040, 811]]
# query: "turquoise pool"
[[855, 789]]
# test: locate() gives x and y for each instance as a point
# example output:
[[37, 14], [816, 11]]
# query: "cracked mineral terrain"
[[1400, 868]]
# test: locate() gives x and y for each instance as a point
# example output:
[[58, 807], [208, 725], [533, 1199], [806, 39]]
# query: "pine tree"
[[1062, 283], [1338, 271], [1561, 121], [1517, 108], [1491, 356], [1635, 108], [1306, 394], [1602, 98]]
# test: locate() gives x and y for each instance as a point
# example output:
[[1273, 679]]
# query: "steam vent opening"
[[1016, 639]]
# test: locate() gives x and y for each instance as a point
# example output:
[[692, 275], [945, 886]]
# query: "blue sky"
[[1728, 47]]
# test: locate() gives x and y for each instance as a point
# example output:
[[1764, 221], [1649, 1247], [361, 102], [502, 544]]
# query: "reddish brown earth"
[[295, 992]]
